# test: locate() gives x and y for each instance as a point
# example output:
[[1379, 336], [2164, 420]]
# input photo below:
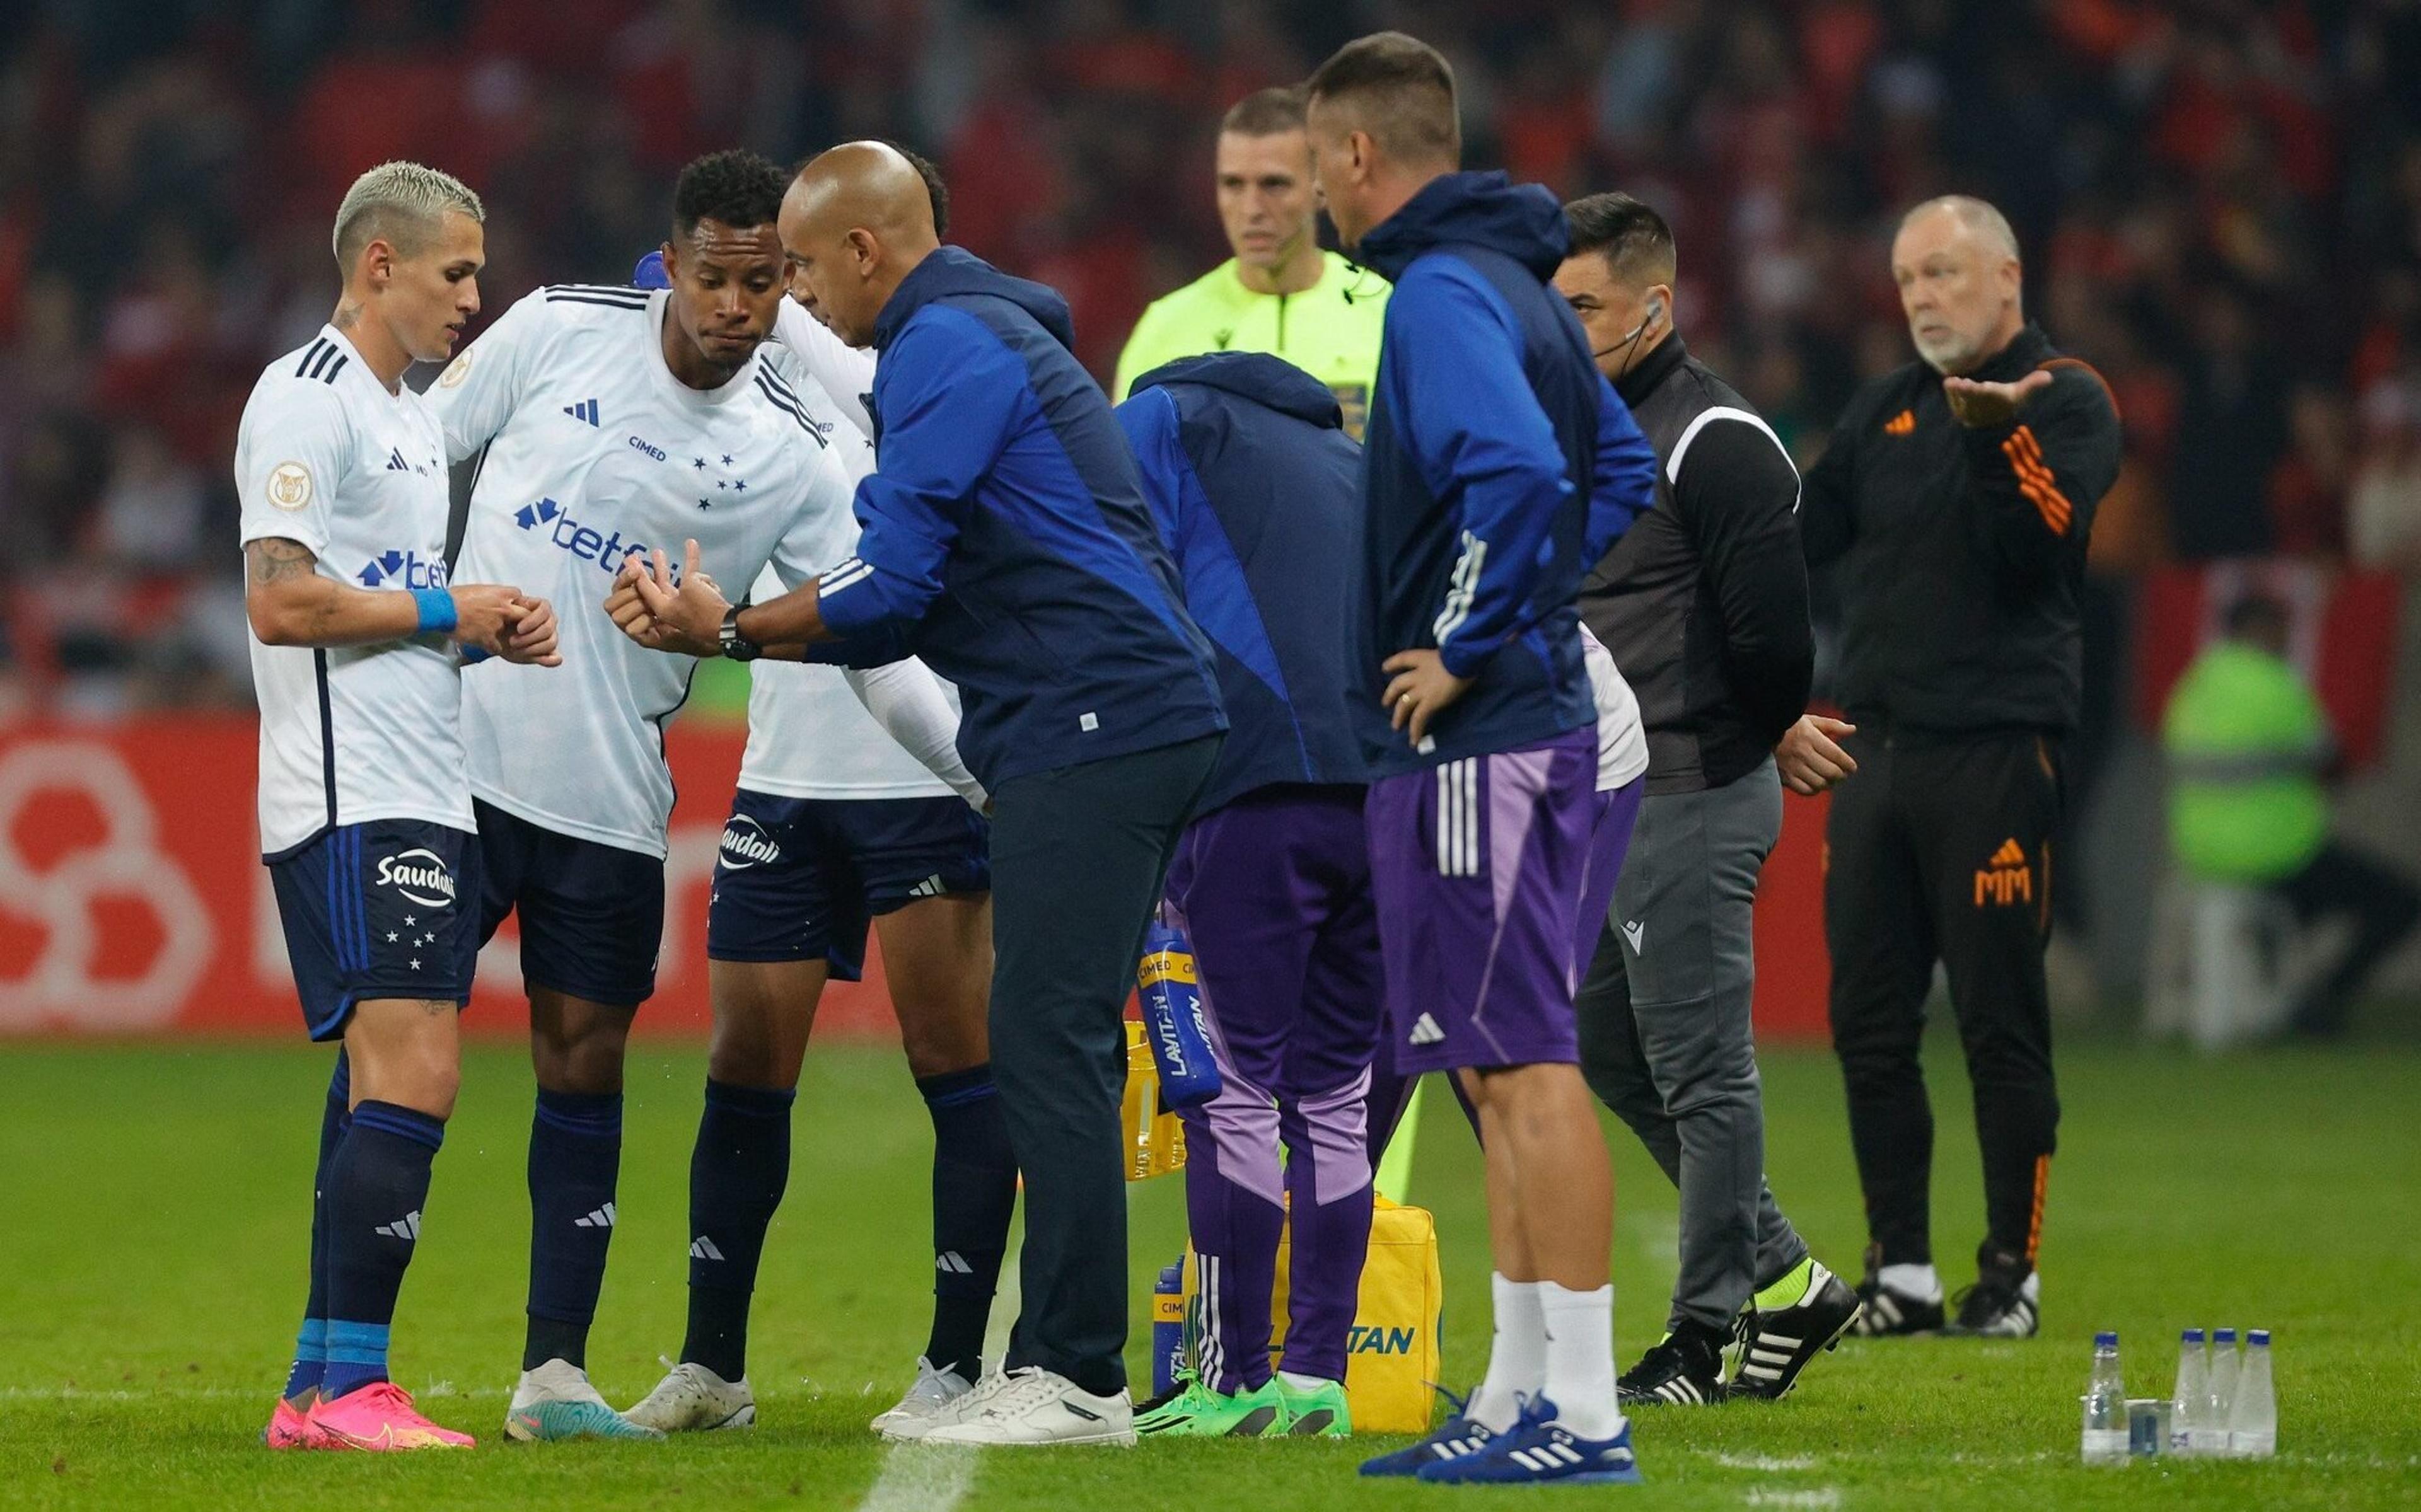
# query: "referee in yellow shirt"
[[1280, 293]]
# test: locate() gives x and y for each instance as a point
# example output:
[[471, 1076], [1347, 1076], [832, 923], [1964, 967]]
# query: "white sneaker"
[[556, 1401], [1033, 1406], [926, 1404], [693, 1400]]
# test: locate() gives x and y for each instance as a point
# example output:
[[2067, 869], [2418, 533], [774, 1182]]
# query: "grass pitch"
[[153, 1203]]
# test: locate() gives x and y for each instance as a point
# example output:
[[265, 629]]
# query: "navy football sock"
[[377, 1185], [737, 1172], [975, 1193], [576, 1155], [311, 1343]]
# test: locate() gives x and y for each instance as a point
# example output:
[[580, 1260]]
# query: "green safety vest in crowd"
[[1330, 330], [2246, 741]]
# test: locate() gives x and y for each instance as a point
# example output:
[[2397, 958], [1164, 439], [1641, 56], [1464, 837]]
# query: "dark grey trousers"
[[1078, 857], [1665, 1039]]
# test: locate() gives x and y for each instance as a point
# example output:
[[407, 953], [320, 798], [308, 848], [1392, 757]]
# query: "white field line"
[[1768, 1464], [1821, 1500], [918, 1477]]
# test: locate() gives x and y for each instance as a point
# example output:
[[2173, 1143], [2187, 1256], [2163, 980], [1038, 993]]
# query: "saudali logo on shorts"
[[420, 876], [745, 843], [2009, 878]]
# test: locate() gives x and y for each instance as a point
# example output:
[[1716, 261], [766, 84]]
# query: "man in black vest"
[[1957, 495], [1704, 605]]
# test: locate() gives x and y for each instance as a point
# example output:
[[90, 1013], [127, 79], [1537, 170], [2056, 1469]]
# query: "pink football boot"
[[380, 1417]]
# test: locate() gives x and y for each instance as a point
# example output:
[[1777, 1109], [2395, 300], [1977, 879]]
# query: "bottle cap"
[[2223, 1335], [2194, 1335], [2259, 1336], [2107, 1338]]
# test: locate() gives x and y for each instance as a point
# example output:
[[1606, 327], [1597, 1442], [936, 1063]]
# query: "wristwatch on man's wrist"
[[735, 646]]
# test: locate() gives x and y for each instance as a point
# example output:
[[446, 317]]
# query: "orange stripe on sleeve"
[[2034, 480]]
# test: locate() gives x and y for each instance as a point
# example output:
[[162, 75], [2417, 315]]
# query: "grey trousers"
[[1665, 1039]]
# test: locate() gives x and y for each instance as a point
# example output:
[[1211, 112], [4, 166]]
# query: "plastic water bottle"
[[2105, 1406], [1167, 1327], [2194, 1381], [2253, 1417], [2218, 1397], [1171, 993]]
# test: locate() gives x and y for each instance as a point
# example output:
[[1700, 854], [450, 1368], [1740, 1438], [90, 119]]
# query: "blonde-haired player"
[[365, 800]]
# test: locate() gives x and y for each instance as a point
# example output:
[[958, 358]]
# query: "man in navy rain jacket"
[[1257, 493]]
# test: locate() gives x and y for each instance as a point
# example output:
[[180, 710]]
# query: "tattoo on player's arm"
[[274, 559]]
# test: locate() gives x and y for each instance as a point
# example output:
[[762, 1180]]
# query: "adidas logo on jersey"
[[585, 411], [406, 1227], [401, 569], [702, 1248], [1426, 1031], [952, 1263], [569, 535], [598, 1218]]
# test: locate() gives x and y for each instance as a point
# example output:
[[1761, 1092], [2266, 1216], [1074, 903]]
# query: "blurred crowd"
[[2220, 204]]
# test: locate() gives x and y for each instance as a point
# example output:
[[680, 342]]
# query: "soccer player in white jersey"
[[838, 823], [366, 819], [614, 420]]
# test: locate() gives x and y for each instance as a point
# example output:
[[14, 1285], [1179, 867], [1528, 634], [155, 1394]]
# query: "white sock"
[[1918, 1282], [1296, 1380], [1580, 1359], [1517, 1357]]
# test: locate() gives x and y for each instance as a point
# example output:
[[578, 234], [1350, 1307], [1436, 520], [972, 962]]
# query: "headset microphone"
[[1655, 313]]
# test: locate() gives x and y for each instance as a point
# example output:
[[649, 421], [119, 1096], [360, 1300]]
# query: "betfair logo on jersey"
[[402, 569], [420, 875], [745, 843], [2008, 880], [569, 535]]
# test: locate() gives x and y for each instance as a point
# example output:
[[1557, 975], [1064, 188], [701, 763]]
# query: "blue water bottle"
[[1173, 1020], [1167, 1327]]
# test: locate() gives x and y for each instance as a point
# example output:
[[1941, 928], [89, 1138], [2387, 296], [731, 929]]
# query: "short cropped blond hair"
[[400, 203]]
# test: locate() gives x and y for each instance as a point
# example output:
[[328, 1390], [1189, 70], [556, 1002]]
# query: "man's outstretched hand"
[[647, 605], [1991, 404]]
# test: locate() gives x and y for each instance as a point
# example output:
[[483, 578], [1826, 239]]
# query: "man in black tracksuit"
[[1956, 495], [1704, 606]]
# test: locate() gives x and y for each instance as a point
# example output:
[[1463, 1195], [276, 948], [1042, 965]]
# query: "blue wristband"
[[437, 613]]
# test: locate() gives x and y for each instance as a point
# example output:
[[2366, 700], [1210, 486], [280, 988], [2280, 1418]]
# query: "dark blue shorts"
[[592, 915], [376, 911], [801, 879]]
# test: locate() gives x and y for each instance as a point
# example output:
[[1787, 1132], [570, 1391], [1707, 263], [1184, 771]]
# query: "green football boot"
[[1319, 1414], [1200, 1412]]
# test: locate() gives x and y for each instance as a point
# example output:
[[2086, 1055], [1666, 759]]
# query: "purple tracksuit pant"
[[1275, 891]]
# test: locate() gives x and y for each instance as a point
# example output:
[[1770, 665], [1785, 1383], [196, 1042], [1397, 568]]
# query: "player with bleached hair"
[[365, 824]]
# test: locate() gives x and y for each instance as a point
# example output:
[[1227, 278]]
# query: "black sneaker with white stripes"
[[1685, 1368], [2006, 1301], [1883, 1313], [1777, 1345]]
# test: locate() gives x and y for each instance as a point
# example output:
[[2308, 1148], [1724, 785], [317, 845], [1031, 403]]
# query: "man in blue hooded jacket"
[[1005, 539], [1256, 490], [1500, 467]]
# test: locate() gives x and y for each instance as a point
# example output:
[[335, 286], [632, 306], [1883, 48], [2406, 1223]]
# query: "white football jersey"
[[326, 457], [809, 735], [595, 451], [1621, 738]]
